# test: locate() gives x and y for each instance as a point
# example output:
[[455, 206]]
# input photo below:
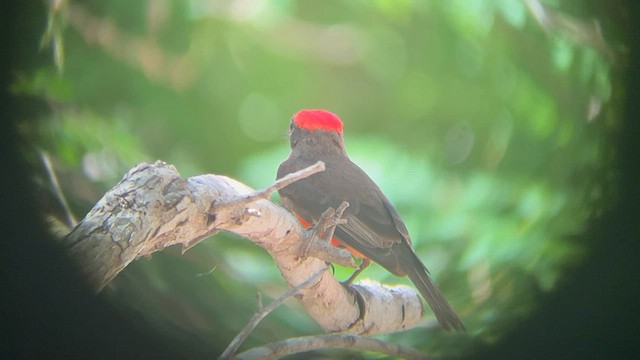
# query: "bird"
[[374, 230]]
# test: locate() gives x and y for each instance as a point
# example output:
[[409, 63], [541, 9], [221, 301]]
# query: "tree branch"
[[262, 312], [152, 207], [46, 161], [266, 193], [341, 341]]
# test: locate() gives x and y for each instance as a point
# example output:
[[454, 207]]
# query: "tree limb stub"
[[152, 207]]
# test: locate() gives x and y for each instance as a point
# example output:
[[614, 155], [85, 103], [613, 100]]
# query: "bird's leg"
[[363, 265]]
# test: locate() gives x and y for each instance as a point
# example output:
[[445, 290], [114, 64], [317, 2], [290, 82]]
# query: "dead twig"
[[266, 193], [319, 245], [336, 220], [262, 312], [71, 220]]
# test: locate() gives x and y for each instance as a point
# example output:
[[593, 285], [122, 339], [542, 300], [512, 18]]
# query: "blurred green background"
[[487, 123]]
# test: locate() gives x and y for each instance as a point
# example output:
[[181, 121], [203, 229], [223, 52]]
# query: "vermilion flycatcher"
[[374, 230]]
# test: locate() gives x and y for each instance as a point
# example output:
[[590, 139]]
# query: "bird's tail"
[[417, 273]]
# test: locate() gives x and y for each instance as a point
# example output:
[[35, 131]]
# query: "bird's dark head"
[[315, 131]]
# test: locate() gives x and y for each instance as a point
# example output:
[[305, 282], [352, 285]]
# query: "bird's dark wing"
[[373, 224]]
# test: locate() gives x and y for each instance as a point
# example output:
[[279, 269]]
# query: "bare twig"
[[262, 312], [337, 220], [316, 232], [266, 193], [318, 244], [71, 220], [584, 32], [344, 341], [208, 272], [143, 53]]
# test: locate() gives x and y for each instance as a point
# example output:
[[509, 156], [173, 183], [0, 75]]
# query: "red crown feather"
[[317, 119]]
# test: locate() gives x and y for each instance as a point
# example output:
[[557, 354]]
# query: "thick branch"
[[152, 207]]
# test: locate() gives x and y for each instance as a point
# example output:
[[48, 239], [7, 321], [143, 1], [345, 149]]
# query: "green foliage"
[[486, 132]]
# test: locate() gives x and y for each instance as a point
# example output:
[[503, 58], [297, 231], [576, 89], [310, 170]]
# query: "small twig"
[[318, 244], [208, 272], [317, 230], [337, 220], [71, 220], [318, 342], [266, 193], [262, 312], [259, 305]]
